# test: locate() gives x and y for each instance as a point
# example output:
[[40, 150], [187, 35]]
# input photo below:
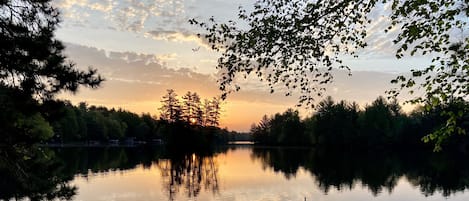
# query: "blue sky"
[[143, 48]]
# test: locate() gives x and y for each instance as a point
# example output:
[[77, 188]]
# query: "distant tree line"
[[344, 124], [182, 124], [84, 123]]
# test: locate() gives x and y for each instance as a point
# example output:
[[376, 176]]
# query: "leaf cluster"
[[294, 43]]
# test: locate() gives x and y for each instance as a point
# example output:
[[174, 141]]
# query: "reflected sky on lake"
[[240, 176]]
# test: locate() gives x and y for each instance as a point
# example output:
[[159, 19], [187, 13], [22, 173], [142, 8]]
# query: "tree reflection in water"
[[45, 174], [190, 171], [33, 173], [446, 173], [38, 173]]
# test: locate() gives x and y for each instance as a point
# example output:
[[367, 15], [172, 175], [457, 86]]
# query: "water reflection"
[[228, 172], [447, 173], [34, 174], [89, 161], [191, 172]]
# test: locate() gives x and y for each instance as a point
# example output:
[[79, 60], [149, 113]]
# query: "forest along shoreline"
[[380, 125], [335, 125]]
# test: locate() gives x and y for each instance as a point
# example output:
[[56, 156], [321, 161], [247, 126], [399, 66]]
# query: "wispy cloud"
[[178, 36], [162, 20], [380, 43], [135, 81], [142, 71], [126, 15], [80, 10]]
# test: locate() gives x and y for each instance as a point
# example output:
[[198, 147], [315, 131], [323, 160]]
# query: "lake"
[[244, 172]]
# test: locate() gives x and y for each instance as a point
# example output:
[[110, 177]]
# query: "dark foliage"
[[100, 125], [33, 69], [30, 58], [381, 124], [21, 120], [33, 173], [191, 110]]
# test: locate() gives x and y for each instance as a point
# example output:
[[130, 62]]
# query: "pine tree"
[[214, 112], [191, 108], [33, 69], [170, 109], [31, 60], [207, 107], [187, 110]]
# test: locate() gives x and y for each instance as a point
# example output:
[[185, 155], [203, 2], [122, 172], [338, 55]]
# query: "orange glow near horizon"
[[193, 121], [235, 115], [238, 112]]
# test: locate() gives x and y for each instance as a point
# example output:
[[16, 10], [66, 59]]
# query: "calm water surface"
[[247, 173]]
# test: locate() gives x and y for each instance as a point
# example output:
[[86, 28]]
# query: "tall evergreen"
[[31, 59], [170, 109]]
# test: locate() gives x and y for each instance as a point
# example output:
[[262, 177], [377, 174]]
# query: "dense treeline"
[[59, 121], [91, 123], [85, 123], [344, 124]]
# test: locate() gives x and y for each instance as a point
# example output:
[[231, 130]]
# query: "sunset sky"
[[143, 48]]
